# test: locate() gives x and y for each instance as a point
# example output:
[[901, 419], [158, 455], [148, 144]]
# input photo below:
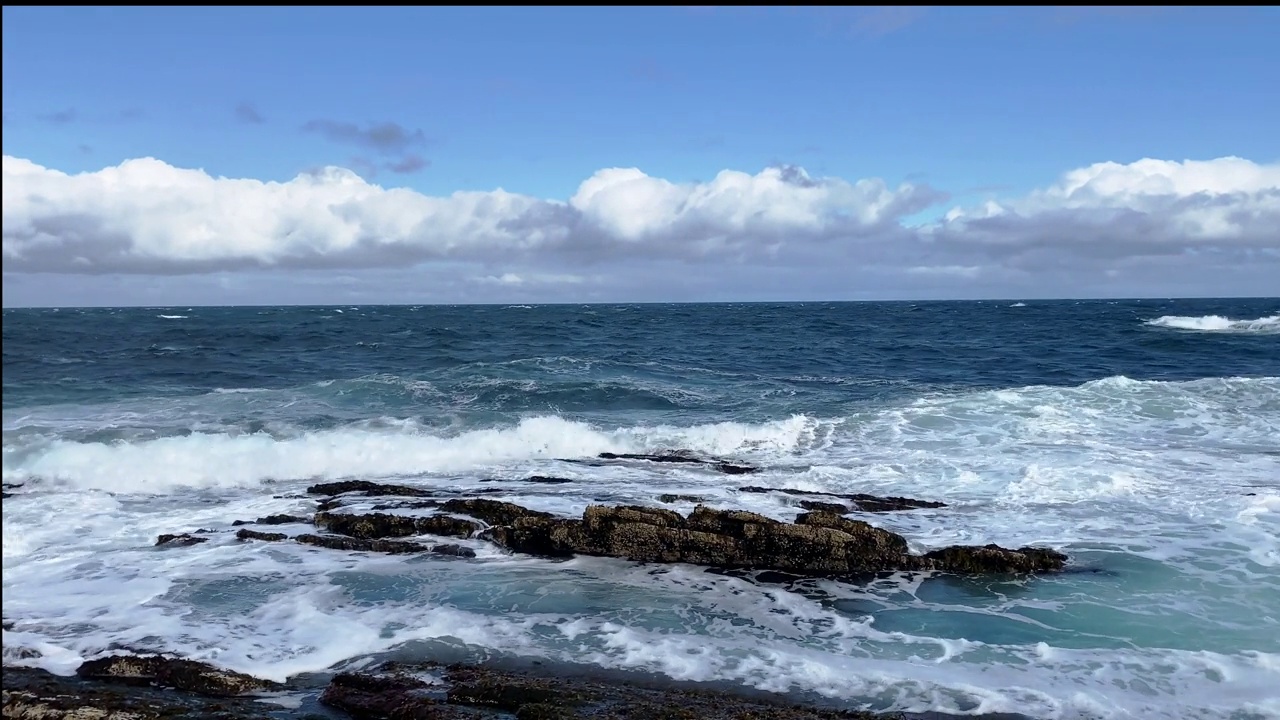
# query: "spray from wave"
[[1217, 323]]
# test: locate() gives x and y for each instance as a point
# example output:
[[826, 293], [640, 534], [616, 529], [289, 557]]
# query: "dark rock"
[[337, 542], [819, 506], [493, 512], [482, 692], [545, 479], [817, 544], [682, 456], [864, 502], [38, 695], [384, 525], [369, 488], [679, 456], [188, 675], [179, 540], [329, 504], [407, 505], [255, 535], [735, 469], [272, 520], [379, 697], [670, 498], [995, 559], [454, 550]]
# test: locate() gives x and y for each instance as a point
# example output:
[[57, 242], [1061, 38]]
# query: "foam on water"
[[1166, 495], [1218, 323]]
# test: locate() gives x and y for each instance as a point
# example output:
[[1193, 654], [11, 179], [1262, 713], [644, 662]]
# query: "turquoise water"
[[1141, 437]]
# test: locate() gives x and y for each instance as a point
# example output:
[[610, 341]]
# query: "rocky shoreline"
[[366, 516]]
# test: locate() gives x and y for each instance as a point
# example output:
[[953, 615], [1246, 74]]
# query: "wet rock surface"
[[817, 544], [395, 547], [468, 691], [189, 675], [861, 501], [245, 534], [684, 457], [366, 487], [273, 520], [179, 540], [144, 688], [383, 525]]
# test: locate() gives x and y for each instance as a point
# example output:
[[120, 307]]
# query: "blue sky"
[[975, 104]]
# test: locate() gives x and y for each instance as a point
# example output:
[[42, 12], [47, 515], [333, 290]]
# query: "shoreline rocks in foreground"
[[151, 687]]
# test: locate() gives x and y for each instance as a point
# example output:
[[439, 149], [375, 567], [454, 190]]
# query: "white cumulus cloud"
[[147, 217]]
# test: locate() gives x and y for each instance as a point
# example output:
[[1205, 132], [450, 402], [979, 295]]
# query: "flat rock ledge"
[[130, 687], [820, 543]]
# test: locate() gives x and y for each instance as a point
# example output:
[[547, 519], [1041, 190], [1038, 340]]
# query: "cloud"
[[386, 138], [879, 21], [246, 112], [1108, 211], [410, 163], [61, 117], [1102, 221]]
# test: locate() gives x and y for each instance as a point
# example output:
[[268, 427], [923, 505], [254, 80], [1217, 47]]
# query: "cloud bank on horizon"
[[145, 216]]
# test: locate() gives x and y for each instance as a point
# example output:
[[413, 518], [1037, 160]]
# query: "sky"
[[223, 156]]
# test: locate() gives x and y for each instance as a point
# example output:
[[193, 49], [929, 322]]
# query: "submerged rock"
[[965, 559], [493, 512], [542, 479], [682, 456], [862, 501], [179, 540], [35, 694], [817, 544], [272, 520], [255, 535], [385, 525], [395, 547], [189, 675], [672, 498], [471, 691], [367, 487]]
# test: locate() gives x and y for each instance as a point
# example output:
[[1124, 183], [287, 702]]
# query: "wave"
[[173, 317], [396, 449], [1018, 304], [1218, 323]]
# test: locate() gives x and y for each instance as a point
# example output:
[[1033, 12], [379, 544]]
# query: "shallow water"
[[1141, 437]]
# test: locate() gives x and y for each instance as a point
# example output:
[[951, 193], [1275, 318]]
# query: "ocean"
[[1141, 438]]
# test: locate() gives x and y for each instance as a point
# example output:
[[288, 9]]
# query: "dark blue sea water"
[[1141, 437]]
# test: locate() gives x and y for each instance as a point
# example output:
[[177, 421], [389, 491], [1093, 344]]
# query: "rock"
[[33, 694], [188, 675], [329, 504], [995, 559], [545, 479], [369, 488], [407, 505], [682, 456], [255, 535], [272, 520], [817, 544], [379, 697], [384, 525], [335, 542], [476, 692], [865, 503], [670, 498], [179, 540], [493, 512], [454, 550], [819, 506]]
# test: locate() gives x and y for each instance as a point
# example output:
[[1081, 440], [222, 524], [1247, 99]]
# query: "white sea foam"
[[173, 317], [1218, 323], [1018, 304], [1171, 490]]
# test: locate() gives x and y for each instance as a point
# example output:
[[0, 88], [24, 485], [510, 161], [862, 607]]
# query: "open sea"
[[1142, 438]]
